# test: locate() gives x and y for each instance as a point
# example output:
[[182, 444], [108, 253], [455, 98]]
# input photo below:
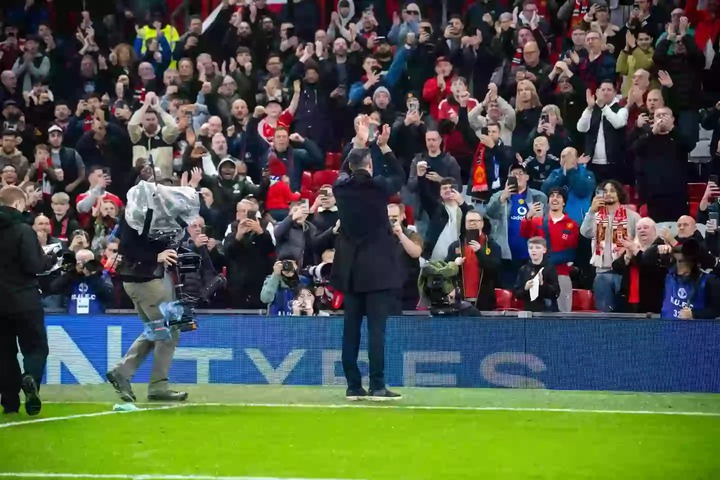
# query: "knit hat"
[[277, 168], [560, 191], [381, 90]]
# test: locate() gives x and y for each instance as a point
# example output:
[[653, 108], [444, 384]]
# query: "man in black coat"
[[22, 320], [366, 267], [661, 157]]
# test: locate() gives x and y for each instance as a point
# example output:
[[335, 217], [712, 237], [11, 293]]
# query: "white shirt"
[[617, 120], [448, 236]]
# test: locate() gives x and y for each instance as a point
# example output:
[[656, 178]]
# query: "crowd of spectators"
[[567, 123]]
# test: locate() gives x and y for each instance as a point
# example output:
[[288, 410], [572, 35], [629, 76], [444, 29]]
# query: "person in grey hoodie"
[[295, 236], [506, 209]]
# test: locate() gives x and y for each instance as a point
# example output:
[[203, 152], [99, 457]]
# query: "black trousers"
[[374, 305], [26, 329]]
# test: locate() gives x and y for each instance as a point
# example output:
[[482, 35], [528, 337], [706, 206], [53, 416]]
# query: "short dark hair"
[[493, 123], [242, 50], [448, 181], [619, 188], [359, 159], [194, 17]]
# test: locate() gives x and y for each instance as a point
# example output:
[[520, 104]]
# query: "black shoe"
[[121, 385], [355, 394], [10, 404], [168, 396], [32, 398], [383, 395]]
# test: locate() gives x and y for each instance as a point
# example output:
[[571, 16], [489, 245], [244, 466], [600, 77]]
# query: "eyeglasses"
[[412, 12]]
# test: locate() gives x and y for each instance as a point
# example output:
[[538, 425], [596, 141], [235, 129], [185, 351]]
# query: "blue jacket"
[[389, 80], [580, 185], [685, 291], [165, 52]]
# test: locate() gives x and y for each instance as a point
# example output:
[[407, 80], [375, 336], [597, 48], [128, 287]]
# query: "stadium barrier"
[[571, 353]]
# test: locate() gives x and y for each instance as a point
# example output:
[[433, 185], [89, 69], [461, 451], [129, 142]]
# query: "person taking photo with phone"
[[506, 209], [481, 261], [608, 223]]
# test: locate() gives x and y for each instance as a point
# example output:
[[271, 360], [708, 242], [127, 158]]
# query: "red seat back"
[[696, 191], [323, 177], [307, 180], [583, 300], [503, 299], [333, 160]]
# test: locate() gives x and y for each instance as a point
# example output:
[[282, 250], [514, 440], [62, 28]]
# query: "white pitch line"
[[400, 406], [145, 476], [85, 415]]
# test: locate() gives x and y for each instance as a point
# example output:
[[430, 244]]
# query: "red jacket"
[[563, 242], [279, 196], [85, 219], [433, 95], [707, 25], [454, 142]]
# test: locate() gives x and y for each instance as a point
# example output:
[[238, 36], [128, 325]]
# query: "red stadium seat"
[[696, 191], [631, 193], [307, 180], [643, 211], [333, 160], [583, 301], [323, 177], [409, 215], [504, 300], [308, 194], [694, 207]]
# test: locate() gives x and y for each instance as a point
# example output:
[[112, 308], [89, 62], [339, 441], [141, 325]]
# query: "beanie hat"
[[381, 90]]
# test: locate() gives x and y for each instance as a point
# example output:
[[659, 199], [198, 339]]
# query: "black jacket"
[[651, 278], [365, 248], [549, 290], [249, 261], [21, 260], [489, 259], [661, 165]]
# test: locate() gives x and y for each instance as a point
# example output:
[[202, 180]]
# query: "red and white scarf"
[[579, 10], [619, 232]]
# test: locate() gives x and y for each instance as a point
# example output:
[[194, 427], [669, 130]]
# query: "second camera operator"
[[83, 281], [279, 288]]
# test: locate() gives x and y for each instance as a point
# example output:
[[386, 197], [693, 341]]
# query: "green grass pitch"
[[312, 432]]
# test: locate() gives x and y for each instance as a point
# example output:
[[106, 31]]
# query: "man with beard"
[[607, 224], [33, 66], [241, 69], [374, 78], [10, 155], [566, 90]]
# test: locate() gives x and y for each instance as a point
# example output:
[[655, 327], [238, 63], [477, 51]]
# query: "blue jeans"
[[605, 288]]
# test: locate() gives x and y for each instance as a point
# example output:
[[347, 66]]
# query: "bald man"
[[686, 230]]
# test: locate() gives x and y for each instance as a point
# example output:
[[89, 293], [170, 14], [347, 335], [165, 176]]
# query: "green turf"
[[375, 444]]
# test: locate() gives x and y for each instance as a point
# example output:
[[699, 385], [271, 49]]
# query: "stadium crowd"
[[573, 124]]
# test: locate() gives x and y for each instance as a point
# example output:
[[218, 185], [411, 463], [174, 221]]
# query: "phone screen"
[[512, 182], [472, 235], [713, 178]]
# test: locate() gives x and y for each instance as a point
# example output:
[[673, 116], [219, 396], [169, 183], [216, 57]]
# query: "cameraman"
[[438, 287], [327, 298], [279, 288], [22, 320], [84, 282], [142, 272]]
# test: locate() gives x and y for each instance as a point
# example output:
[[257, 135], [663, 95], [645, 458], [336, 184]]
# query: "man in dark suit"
[[366, 266]]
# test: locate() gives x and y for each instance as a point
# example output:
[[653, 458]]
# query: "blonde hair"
[[534, 98], [555, 111], [61, 198]]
